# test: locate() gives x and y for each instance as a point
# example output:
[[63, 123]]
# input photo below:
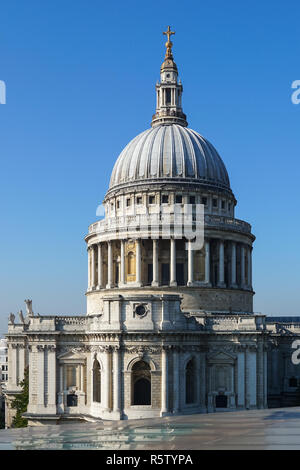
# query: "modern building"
[[170, 327]]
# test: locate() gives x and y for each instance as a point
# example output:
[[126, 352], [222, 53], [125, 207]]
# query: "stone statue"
[[29, 311], [21, 316], [11, 318]]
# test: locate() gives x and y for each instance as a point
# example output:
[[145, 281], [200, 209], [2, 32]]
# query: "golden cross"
[[168, 33]]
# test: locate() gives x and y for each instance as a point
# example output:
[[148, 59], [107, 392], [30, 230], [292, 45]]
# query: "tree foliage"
[[20, 403]]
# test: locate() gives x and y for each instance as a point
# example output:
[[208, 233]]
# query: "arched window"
[[96, 382], [190, 382], [131, 263], [141, 383]]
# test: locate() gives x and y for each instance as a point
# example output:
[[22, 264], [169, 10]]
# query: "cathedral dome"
[[170, 152]]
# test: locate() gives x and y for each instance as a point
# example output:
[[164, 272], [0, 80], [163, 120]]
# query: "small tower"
[[169, 91]]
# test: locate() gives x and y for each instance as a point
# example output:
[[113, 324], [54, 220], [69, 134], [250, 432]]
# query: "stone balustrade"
[[131, 222]]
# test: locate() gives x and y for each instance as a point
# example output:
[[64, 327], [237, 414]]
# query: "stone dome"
[[170, 153]]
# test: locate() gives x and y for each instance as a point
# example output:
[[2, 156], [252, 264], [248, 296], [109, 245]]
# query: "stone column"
[[138, 259], [122, 263], [173, 262], [89, 267], [100, 261], [176, 385], [164, 382], [249, 268], [275, 371], [247, 379], [13, 366], [265, 401], [155, 281], [203, 380], [116, 380], [207, 262], [61, 378], [21, 362], [82, 377], [221, 282], [241, 379], [260, 376], [190, 264], [93, 267], [40, 376], [51, 352], [109, 265], [106, 384], [242, 267], [233, 265]]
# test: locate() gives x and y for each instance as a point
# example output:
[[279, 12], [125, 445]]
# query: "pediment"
[[72, 356], [221, 356]]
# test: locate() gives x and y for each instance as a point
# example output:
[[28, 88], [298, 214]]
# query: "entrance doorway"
[[221, 401]]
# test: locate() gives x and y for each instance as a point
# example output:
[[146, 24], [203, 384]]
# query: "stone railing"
[[71, 323], [227, 322], [139, 222], [219, 221]]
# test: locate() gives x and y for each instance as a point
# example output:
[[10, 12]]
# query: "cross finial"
[[168, 33], [169, 44]]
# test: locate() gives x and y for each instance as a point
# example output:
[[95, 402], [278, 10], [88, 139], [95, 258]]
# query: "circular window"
[[140, 310]]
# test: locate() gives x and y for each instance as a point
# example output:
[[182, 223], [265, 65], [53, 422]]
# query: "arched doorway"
[[96, 382], [141, 384], [190, 382]]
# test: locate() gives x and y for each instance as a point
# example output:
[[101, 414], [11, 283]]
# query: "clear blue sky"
[[80, 79]]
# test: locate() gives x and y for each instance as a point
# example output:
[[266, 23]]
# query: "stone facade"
[[195, 361]]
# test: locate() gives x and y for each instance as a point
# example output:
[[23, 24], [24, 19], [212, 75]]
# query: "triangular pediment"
[[221, 356], [71, 355]]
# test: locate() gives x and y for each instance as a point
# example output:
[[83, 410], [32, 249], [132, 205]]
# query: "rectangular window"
[[118, 204], [151, 199], [165, 199], [178, 199], [71, 376], [215, 202], [139, 200], [168, 96], [127, 202], [223, 204], [192, 199], [204, 200]]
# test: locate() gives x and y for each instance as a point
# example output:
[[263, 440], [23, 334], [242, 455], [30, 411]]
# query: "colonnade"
[[98, 261]]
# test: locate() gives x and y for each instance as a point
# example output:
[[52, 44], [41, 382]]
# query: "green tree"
[[20, 403]]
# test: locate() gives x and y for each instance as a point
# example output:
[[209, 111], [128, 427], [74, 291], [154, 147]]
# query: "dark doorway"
[[180, 274], [117, 275], [141, 383], [221, 401], [96, 381], [142, 392], [150, 273], [72, 400], [165, 274], [190, 382]]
